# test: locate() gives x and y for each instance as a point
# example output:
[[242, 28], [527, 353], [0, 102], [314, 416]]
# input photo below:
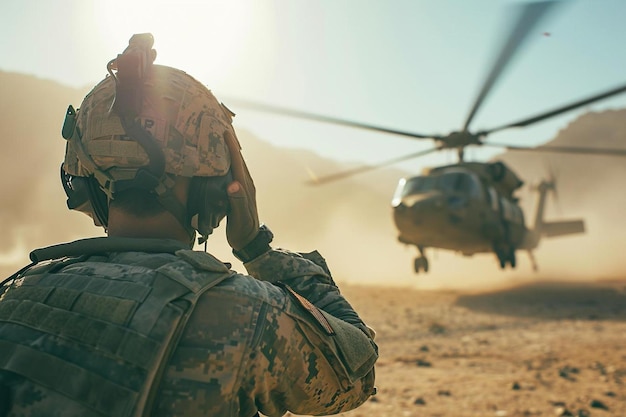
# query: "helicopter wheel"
[[505, 257], [420, 263], [502, 258], [512, 259], [502, 262]]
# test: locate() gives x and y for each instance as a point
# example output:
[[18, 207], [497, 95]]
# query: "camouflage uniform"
[[103, 332], [146, 327]]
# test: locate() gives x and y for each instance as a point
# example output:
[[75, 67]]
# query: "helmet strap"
[[130, 68]]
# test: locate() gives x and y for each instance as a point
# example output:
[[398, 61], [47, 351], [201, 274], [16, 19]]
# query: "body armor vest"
[[99, 332]]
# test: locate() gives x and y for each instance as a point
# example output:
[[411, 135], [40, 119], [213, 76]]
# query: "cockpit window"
[[418, 185], [451, 182], [460, 182]]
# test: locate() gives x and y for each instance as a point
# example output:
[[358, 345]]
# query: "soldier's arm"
[[331, 351], [309, 276]]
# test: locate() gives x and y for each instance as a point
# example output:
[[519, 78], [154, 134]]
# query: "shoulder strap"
[[146, 400]]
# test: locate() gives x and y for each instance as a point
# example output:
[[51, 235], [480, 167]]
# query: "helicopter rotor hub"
[[460, 139]]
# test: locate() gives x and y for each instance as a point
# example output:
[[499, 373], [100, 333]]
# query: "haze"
[[349, 221]]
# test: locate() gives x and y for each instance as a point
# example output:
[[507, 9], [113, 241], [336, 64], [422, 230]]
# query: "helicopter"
[[470, 207]]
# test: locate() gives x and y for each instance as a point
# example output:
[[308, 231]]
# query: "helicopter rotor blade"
[[327, 119], [527, 16], [556, 112], [562, 149], [365, 168]]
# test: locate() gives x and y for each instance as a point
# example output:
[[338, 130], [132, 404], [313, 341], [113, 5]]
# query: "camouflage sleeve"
[[308, 275], [331, 352], [298, 367]]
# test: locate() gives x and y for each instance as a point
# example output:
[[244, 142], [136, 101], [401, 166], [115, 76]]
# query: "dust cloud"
[[349, 222], [589, 187], [361, 243]]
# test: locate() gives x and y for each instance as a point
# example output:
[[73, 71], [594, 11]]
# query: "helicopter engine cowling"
[[503, 175]]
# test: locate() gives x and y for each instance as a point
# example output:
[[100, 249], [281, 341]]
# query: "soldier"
[[137, 323]]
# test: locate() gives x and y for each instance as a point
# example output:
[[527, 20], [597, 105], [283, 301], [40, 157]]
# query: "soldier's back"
[[84, 337]]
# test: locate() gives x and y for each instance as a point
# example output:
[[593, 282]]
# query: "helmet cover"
[[181, 114]]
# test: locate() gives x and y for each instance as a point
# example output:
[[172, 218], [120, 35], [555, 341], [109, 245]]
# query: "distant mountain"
[[303, 217], [581, 177], [33, 203], [349, 221]]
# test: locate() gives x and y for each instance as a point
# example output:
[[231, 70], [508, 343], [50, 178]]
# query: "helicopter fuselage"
[[455, 210], [470, 208]]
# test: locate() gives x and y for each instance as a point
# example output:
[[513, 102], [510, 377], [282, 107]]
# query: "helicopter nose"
[[421, 209], [420, 215], [419, 201]]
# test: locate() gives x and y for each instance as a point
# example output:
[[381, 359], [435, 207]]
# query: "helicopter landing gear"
[[506, 255], [512, 258], [502, 260], [421, 262], [533, 261]]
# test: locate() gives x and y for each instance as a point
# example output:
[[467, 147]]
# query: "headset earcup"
[[84, 195], [195, 197], [208, 202], [99, 201]]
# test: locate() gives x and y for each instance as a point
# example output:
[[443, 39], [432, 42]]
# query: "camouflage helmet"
[[139, 128], [181, 114]]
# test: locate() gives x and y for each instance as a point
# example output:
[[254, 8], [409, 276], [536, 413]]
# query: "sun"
[[204, 38]]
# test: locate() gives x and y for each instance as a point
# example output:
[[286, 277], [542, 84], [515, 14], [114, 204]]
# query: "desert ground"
[[538, 349]]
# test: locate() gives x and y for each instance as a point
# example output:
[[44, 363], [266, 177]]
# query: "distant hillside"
[[34, 214], [33, 203], [581, 177], [349, 221]]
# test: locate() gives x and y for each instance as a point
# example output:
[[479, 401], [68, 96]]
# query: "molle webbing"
[[97, 340]]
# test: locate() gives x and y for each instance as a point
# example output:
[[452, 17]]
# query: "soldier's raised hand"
[[242, 224]]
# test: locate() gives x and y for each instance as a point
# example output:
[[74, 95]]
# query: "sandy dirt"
[[541, 349]]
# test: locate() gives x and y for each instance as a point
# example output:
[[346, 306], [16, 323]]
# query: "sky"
[[412, 65]]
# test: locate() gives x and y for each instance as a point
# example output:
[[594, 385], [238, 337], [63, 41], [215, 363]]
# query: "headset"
[[207, 202], [85, 195]]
